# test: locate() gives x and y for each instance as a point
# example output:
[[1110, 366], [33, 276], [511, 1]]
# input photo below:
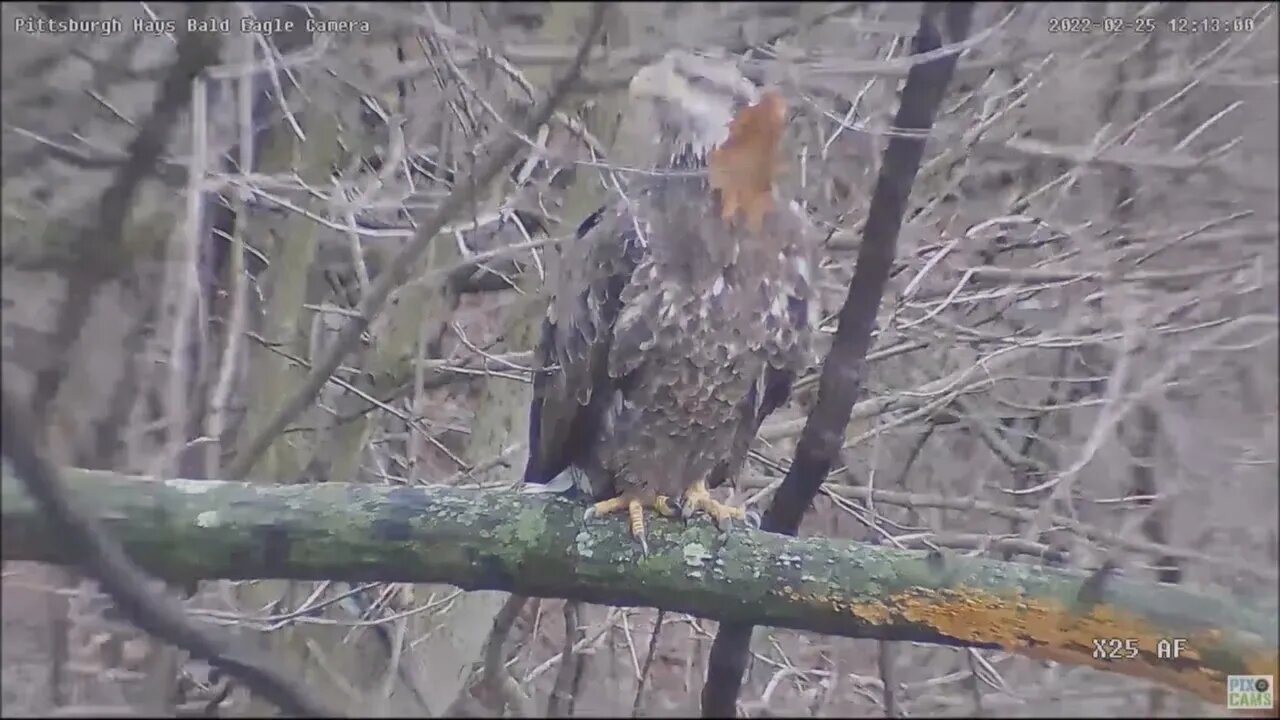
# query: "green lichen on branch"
[[540, 546]]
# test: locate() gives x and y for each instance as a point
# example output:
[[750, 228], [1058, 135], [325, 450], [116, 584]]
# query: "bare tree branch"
[[842, 372], [538, 546], [99, 253], [80, 538], [402, 264]]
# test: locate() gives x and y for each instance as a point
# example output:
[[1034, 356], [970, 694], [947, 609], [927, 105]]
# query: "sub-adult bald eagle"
[[682, 310]]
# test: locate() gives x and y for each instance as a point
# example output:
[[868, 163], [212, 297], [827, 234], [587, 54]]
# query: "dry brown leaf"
[[742, 168]]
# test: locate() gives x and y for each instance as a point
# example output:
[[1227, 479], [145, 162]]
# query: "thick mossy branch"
[[540, 546]]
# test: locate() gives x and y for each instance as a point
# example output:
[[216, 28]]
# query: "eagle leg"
[[697, 497], [635, 513]]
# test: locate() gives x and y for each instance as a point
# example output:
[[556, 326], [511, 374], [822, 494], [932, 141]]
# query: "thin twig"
[[648, 662], [402, 264], [496, 676], [130, 588], [100, 253], [560, 703]]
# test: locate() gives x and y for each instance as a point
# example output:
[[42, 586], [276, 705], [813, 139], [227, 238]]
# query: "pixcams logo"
[[1250, 692]]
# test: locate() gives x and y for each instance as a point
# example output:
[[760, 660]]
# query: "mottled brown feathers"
[[682, 312]]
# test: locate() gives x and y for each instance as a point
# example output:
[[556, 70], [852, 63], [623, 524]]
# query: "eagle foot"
[[635, 513], [697, 497]]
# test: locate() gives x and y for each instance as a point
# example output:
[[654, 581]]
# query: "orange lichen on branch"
[[743, 167], [1046, 629]]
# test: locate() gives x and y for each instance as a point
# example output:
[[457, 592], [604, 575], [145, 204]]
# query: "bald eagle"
[[678, 323]]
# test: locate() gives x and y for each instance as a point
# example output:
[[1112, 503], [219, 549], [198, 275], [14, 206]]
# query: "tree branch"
[[842, 372], [99, 252], [539, 546], [403, 263], [80, 541]]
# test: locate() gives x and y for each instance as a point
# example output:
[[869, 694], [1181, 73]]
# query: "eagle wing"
[[574, 387], [793, 353]]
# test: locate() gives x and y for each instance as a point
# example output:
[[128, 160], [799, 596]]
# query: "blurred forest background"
[[1076, 361]]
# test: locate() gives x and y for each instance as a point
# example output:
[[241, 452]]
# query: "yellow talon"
[[663, 506], [698, 498], [635, 513], [612, 505], [695, 498]]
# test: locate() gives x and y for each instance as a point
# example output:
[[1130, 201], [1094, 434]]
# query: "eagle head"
[[689, 100]]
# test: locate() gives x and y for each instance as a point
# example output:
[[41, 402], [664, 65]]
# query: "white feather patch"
[[802, 267], [560, 484]]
